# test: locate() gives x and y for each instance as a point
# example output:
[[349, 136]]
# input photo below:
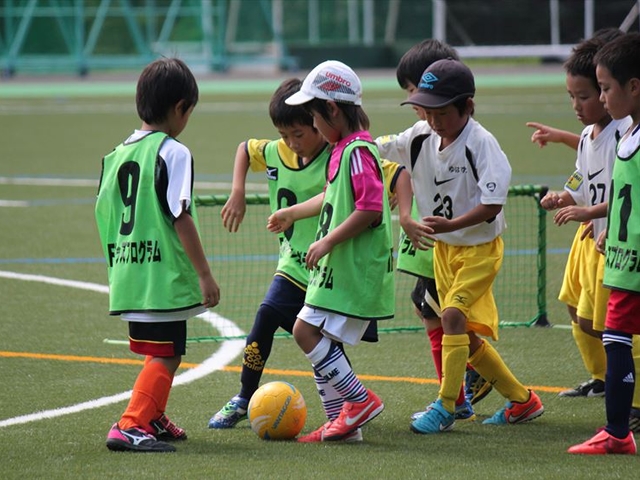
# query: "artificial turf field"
[[64, 386]]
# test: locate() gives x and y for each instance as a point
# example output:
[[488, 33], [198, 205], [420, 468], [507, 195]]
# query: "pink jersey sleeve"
[[368, 187]]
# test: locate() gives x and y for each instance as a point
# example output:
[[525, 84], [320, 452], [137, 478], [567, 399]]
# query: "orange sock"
[[150, 393]]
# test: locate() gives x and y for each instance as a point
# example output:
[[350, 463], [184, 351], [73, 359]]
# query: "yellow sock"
[[592, 352], [455, 351], [636, 362], [489, 364]]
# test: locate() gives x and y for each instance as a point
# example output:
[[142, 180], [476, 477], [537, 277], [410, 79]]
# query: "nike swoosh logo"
[[516, 419], [591, 176], [440, 182], [350, 421]]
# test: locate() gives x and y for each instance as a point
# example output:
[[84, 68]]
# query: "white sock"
[[336, 371]]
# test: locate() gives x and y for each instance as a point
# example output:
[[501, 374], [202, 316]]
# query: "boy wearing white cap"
[[460, 182]]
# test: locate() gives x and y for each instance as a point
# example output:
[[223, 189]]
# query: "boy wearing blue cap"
[[461, 181]]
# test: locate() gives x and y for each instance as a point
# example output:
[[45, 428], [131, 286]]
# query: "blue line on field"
[[224, 258]]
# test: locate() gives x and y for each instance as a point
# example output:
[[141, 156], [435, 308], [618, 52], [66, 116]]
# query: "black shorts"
[[426, 289], [158, 339]]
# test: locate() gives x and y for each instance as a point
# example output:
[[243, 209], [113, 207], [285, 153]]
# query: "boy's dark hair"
[[607, 34], [621, 57], [462, 106], [580, 62], [356, 117], [162, 84], [283, 114], [418, 58]]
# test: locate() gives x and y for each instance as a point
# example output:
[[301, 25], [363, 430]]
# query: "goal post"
[[244, 262]]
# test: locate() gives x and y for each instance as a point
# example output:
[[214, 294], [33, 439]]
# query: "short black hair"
[[356, 117], [162, 84], [621, 57], [283, 114], [419, 57], [581, 61]]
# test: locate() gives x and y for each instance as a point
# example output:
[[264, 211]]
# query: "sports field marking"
[[93, 183], [227, 352], [382, 81], [235, 369]]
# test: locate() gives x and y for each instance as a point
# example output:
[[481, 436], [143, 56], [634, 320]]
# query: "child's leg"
[[435, 333], [488, 363], [636, 363], [330, 363], [150, 393], [455, 352], [589, 343], [258, 348], [331, 399], [620, 381], [163, 344]]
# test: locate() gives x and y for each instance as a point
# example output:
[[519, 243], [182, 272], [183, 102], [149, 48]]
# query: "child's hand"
[[588, 231], [551, 201], [210, 291], [316, 251], [601, 242], [571, 213], [421, 235], [233, 212], [437, 224], [544, 134], [279, 221]]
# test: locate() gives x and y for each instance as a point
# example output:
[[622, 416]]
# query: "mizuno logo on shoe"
[[350, 421], [135, 439]]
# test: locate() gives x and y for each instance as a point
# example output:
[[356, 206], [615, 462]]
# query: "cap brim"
[[299, 98], [429, 100]]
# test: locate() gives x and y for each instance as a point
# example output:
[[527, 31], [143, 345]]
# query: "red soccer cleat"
[[603, 443], [353, 416]]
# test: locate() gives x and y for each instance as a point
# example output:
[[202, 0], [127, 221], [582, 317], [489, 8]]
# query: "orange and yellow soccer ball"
[[277, 411]]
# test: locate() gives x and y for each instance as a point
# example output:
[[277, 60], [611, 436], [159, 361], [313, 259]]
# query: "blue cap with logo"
[[444, 82]]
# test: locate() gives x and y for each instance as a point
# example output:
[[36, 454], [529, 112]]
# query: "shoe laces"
[[233, 407], [169, 426]]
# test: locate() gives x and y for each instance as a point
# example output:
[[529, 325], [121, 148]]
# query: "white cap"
[[331, 80]]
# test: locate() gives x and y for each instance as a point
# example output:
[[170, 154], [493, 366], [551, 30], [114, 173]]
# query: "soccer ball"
[[277, 411]]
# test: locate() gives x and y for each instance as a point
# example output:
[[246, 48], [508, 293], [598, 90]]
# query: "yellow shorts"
[[580, 283], [601, 299], [464, 277], [570, 290]]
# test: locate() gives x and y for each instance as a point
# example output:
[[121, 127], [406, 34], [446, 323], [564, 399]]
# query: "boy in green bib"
[[158, 273]]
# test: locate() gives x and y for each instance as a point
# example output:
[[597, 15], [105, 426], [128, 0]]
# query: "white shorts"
[[335, 326]]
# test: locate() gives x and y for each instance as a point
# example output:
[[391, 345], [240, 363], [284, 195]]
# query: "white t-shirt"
[[589, 184], [473, 170]]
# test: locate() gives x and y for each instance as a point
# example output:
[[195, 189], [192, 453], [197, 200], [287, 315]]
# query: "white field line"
[[81, 182], [227, 352]]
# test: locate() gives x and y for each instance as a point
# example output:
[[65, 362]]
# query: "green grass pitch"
[[52, 353]]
